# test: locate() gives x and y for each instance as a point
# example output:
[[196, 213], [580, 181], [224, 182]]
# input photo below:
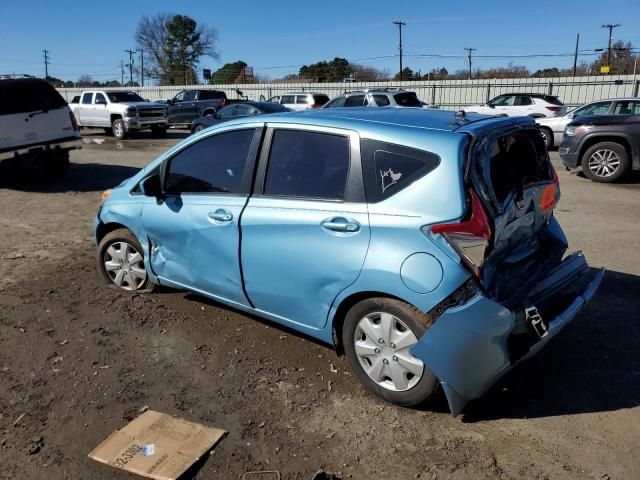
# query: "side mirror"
[[152, 187], [170, 101]]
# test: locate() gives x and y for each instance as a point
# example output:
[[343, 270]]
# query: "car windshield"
[[124, 97], [407, 99]]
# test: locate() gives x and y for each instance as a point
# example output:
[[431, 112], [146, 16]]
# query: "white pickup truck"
[[119, 112]]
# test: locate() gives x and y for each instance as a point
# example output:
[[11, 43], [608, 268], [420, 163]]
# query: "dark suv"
[[606, 147], [188, 105]]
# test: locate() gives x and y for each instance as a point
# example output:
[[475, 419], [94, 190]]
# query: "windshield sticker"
[[389, 178]]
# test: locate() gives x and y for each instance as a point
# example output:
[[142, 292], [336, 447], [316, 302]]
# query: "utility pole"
[[575, 55], [470, 50], [122, 73], [46, 64], [130, 52], [400, 24], [610, 27], [141, 68]]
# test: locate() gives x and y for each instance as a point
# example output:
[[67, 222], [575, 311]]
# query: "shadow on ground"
[[82, 177], [592, 366]]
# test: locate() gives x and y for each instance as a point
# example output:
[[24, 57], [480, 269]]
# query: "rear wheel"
[[377, 336], [121, 262], [605, 162]]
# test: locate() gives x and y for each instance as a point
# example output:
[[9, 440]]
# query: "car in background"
[[606, 147], [190, 104], [387, 97], [36, 125], [552, 128], [300, 100], [377, 230], [237, 110], [534, 105], [119, 112]]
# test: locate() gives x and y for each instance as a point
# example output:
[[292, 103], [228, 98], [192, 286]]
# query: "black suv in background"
[[606, 147], [188, 105]]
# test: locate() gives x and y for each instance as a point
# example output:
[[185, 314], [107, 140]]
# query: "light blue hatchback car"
[[421, 243]]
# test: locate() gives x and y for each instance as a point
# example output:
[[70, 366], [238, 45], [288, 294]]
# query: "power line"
[[470, 50], [400, 24]]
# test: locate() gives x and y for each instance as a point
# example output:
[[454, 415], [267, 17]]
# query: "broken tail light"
[[469, 238]]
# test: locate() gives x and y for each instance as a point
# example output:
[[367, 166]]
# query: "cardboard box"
[[156, 445]]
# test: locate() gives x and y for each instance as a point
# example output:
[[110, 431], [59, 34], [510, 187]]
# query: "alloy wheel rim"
[[604, 163], [382, 342], [125, 266], [117, 128]]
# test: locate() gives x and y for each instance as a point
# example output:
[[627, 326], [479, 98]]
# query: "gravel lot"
[[78, 360]]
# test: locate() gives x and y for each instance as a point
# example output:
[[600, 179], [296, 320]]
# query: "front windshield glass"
[[124, 97]]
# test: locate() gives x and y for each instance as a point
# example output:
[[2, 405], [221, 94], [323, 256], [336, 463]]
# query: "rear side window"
[[213, 165], [354, 101], [522, 100], [517, 160], [389, 168], [320, 99], [288, 99], [407, 99], [302, 99], [553, 100], [28, 95], [336, 102], [212, 95], [307, 164]]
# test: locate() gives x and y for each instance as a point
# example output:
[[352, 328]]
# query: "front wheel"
[[121, 262], [197, 128], [377, 336], [118, 128], [547, 136], [605, 162]]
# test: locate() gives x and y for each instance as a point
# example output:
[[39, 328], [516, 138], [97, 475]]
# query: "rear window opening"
[[553, 100], [320, 99], [28, 95], [516, 161], [407, 99]]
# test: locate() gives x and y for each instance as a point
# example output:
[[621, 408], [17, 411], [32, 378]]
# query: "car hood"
[[604, 119]]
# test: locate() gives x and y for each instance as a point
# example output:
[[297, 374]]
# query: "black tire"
[[208, 113], [118, 129], [197, 128], [602, 149], [547, 136], [160, 132], [121, 235], [416, 321]]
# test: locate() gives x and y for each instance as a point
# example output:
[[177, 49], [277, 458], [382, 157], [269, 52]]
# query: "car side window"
[[337, 102], [99, 99], [242, 110], [502, 101], [86, 98], [179, 98], [308, 165], [288, 99], [381, 100], [626, 107], [214, 164], [600, 108], [354, 101], [227, 112], [301, 99], [190, 96], [389, 168], [522, 100]]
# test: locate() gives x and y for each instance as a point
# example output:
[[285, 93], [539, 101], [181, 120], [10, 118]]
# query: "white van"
[[36, 124]]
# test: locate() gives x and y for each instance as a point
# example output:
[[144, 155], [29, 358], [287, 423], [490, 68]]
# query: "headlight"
[[573, 131], [105, 196], [132, 112]]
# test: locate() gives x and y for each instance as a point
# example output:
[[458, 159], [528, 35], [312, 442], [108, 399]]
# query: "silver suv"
[[386, 97]]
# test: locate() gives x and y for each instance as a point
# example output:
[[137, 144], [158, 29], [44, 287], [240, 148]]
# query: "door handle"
[[221, 215], [340, 224]]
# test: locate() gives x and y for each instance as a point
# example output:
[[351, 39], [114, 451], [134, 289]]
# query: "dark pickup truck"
[[188, 105], [607, 147]]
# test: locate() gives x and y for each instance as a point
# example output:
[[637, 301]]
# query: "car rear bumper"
[[471, 346], [49, 146], [569, 159]]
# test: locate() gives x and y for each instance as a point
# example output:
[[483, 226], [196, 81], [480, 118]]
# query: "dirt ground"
[[78, 360]]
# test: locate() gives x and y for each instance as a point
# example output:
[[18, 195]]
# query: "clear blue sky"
[[90, 37]]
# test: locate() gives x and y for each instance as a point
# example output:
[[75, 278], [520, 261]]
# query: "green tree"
[[407, 74], [546, 72], [334, 71], [228, 73], [622, 59], [173, 46]]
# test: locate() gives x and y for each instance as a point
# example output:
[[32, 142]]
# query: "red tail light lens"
[[74, 124], [554, 109], [469, 238], [316, 105]]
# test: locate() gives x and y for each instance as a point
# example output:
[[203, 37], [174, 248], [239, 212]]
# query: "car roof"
[[528, 94], [408, 117]]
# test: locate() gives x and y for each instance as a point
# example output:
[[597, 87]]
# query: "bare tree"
[[85, 81], [173, 46]]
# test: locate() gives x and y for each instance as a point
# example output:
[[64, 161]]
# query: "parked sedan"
[[236, 110], [552, 128], [376, 230]]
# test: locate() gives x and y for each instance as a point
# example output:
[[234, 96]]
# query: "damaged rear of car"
[[524, 289]]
